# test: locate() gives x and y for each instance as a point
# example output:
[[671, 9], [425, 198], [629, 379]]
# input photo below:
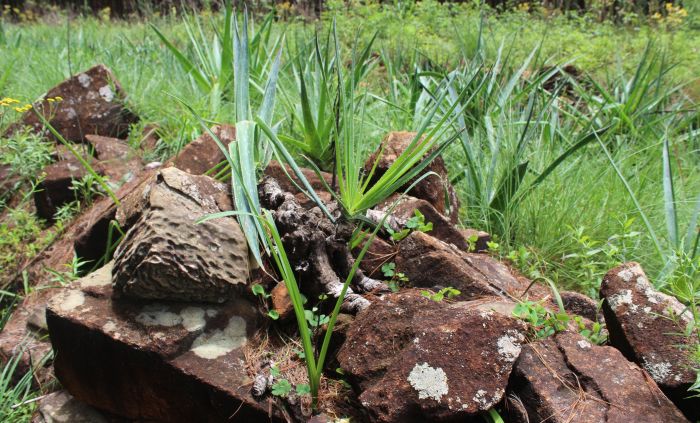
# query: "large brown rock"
[[435, 189], [167, 255], [174, 362], [431, 263], [568, 379], [646, 325], [203, 154], [93, 103], [415, 360]]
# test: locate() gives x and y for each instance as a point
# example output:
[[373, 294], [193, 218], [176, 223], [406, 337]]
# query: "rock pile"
[[170, 331]]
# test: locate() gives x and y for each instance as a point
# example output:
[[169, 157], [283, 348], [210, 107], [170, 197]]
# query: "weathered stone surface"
[[434, 189], [431, 263], [55, 189], [645, 325], [202, 154], [61, 407], [443, 229], [166, 255], [281, 302], [93, 103], [174, 362], [108, 148], [416, 360], [567, 379]]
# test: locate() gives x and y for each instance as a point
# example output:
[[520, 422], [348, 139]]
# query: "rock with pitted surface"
[[167, 255], [155, 361], [435, 189], [646, 325], [568, 379], [91, 102], [415, 360]]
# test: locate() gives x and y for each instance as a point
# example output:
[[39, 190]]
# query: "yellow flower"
[[8, 100]]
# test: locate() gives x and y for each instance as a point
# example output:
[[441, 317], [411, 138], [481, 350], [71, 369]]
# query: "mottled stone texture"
[[155, 361], [435, 189], [167, 255], [415, 360], [93, 103], [568, 379], [645, 325]]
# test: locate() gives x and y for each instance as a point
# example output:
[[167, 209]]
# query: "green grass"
[[571, 178]]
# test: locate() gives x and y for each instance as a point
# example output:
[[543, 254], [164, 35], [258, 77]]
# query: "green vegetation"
[[575, 143]]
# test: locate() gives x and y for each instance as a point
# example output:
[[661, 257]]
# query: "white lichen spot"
[[624, 297], [211, 312], [71, 300], [220, 342], [71, 113], [658, 371], [106, 93], [158, 315], [110, 326], [193, 318], [626, 274], [483, 401], [583, 344], [509, 345], [428, 381], [84, 80]]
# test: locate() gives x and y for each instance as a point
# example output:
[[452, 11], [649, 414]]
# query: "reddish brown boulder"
[[203, 154], [108, 148], [646, 325], [431, 263], [92, 103], [174, 362], [568, 379], [580, 305], [435, 189], [378, 253], [415, 360]]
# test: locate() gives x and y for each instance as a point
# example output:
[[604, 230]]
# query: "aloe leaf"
[[669, 196]]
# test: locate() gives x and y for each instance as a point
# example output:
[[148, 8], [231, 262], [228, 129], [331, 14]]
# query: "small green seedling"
[[415, 223], [395, 278], [259, 291], [281, 388], [448, 292]]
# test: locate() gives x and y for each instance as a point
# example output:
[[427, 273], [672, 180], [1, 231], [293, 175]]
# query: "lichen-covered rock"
[[568, 379], [167, 255], [646, 325], [92, 102], [155, 361], [203, 154], [415, 359], [435, 189]]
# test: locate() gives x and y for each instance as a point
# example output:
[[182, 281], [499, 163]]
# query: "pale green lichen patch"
[[509, 345], [193, 318], [158, 315], [220, 342], [428, 381]]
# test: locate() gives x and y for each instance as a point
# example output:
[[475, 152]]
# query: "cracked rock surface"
[[166, 255], [645, 325], [415, 360], [568, 379]]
